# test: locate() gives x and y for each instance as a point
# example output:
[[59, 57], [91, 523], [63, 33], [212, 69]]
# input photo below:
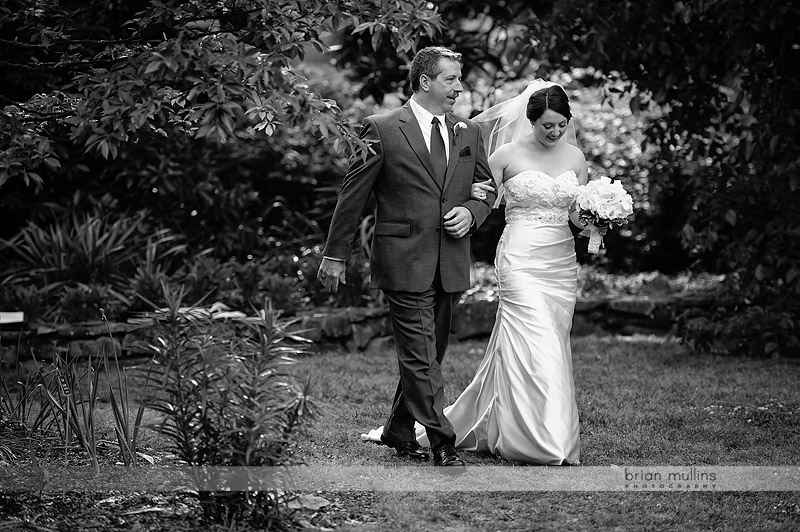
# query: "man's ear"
[[424, 82]]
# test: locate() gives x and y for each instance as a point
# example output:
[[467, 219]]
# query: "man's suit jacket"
[[409, 239]]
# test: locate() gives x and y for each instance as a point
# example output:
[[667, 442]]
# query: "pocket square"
[[466, 151]]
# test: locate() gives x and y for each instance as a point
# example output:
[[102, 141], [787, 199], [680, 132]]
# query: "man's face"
[[445, 88]]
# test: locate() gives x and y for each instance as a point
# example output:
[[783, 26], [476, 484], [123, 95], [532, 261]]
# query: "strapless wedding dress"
[[521, 402]]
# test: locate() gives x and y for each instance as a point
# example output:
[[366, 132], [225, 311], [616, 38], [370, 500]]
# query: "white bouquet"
[[602, 203]]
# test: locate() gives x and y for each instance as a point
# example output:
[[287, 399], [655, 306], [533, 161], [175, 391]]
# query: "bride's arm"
[[583, 178], [498, 162]]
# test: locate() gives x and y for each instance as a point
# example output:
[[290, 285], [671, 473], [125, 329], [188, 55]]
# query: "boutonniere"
[[456, 128]]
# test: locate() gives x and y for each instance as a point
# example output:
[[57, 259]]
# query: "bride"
[[521, 402]]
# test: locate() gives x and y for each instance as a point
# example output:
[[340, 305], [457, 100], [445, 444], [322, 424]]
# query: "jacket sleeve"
[[358, 183], [480, 209]]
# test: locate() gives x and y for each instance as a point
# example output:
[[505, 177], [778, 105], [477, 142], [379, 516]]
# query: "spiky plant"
[[227, 398]]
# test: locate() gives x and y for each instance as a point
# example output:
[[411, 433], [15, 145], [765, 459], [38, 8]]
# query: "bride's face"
[[550, 127]]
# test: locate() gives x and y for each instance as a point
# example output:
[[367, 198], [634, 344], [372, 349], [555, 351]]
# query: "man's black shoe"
[[445, 456], [408, 449]]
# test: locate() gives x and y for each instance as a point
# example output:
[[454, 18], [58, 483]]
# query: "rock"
[[588, 304], [41, 349], [381, 344], [14, 337], [359, 314], [582, 325], [82, 348], [633, 305], [309, 326], [308, 502], [137, 336], [95, 328], [363, 332], [44, 330], [658, 285], [8, 356], [109, 346], [337, 325], [474, 319]]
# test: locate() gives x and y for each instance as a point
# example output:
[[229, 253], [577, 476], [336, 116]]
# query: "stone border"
[[358, 328]]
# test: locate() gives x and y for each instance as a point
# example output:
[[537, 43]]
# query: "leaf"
[[773, 144], [636, 105], [730, 216], [32, 176], [688, 232], [748, 149], [152, 67], [377, 36], [52, 162]]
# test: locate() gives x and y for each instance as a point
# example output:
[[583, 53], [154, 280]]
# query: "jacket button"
[[438, 229], [444, 200]]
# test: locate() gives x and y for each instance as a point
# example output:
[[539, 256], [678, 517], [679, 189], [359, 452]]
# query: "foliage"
[[500, 55], [227, 399], [754, 330], [80, 263], [612, 138], [57, 405], [497, 40], [723, 74], [143, 70], [596, 281], [73, 407], [79, 267], [18, 414], [716, 81], [198, 116]]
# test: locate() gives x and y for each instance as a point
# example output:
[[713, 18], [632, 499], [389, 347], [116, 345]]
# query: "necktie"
[[438, 155]]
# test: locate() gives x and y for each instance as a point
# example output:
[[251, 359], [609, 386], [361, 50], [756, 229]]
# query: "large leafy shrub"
[[227, 398], [723, 73], [78, 265]]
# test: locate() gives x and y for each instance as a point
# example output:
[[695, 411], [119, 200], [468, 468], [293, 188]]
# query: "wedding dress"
[[521, 403]]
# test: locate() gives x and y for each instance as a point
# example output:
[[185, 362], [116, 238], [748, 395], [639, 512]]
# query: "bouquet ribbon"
[[595, 241], [595, 238]]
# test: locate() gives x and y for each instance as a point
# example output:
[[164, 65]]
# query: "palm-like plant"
[[226, 396], [91, 255]]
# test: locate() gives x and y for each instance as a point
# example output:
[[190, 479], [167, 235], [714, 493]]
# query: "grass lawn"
[[643, 402]]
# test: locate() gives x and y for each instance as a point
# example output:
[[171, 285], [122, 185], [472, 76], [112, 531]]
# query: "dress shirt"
[[424, 117]]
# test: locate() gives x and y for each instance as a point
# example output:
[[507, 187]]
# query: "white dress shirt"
[[424, 117]]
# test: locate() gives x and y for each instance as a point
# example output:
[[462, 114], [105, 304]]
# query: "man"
[[424, 163]]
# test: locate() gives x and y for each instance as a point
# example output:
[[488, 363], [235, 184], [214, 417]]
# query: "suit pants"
[[421, 323]]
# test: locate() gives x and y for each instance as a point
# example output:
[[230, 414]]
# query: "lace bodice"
[[535, 196]]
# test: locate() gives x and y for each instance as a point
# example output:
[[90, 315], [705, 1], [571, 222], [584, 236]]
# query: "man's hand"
[[330, 273], [458, 221]]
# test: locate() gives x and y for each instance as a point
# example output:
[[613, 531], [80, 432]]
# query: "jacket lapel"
[[410, 128], [455, 147]]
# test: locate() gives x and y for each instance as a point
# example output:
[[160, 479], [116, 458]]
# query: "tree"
[[110, 74], [724, 72], [719, 79]]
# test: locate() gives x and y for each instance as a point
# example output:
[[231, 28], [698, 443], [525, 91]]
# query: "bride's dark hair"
[[552, 97]]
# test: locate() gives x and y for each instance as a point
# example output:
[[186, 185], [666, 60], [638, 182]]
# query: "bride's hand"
[[480, 189]]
